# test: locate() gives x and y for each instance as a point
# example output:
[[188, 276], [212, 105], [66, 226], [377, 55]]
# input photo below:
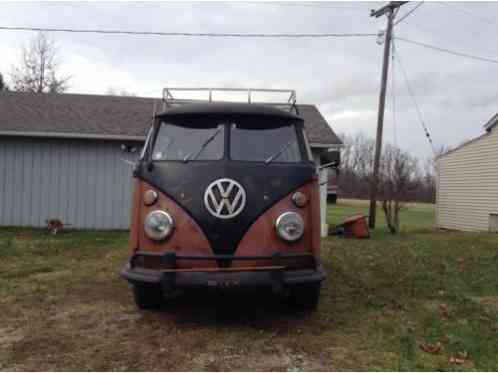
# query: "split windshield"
[[248, 142], [182, 143]]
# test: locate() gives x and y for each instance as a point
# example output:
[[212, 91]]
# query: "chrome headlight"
[[158, 225], [290, 226]]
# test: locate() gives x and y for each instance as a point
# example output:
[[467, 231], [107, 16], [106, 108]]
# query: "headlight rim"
[[278, 222], [150, 234]]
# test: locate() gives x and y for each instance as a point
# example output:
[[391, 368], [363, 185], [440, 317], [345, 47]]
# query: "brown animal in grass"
[[54, 226]]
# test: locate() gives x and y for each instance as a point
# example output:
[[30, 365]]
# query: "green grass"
[[413, 217], [64, 307]]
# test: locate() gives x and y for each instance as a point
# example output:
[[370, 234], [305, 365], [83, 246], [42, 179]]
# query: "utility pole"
[[389, 10]]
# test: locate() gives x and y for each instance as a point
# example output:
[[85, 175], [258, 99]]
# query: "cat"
[[54, 225]]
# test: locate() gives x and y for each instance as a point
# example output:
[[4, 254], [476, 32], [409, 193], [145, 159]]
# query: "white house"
[[467, 192]]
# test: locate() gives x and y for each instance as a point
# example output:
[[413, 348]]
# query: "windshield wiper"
[[277, 154], [203, 146]]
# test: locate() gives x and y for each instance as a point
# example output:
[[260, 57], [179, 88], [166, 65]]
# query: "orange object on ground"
[[356, 226]]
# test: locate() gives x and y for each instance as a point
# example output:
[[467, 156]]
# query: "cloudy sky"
[[341, 75]]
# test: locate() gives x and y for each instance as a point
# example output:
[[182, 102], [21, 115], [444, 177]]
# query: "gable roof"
[[107, 117], [491, 123], [488, 127]]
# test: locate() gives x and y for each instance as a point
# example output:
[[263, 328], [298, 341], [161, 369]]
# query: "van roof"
[[227, 108]]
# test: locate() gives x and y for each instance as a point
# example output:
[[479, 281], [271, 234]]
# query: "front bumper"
[[276, 277]]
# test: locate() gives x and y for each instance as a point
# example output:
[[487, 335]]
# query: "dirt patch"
[[10, 336], [280, 360], [490, 303]]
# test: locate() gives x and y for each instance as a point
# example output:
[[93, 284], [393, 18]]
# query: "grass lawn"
[[422, 300], [416, 216]]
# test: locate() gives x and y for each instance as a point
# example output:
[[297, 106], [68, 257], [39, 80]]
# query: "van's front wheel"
[[305, 296], [147, 297]]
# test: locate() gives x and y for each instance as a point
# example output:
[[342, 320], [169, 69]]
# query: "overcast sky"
[[340, 75]]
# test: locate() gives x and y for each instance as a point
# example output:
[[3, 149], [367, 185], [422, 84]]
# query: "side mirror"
[[128, 162], [331, 158]]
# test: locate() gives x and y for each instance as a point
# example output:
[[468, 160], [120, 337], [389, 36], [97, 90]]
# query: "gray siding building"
[[81, 182], [63, 156]]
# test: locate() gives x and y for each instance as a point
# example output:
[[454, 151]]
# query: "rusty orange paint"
[[261, 239], [315, 220], [187, 239], [135, 216]]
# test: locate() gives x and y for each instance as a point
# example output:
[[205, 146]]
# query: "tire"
[[305, 296], [147, 297]]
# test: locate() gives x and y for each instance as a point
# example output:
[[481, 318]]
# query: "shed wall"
[[468, 185], [83, 183]]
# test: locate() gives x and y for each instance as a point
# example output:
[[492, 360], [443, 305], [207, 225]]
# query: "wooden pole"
[[389, 9]]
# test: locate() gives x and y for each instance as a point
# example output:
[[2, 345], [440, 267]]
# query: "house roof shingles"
[[113, 116]]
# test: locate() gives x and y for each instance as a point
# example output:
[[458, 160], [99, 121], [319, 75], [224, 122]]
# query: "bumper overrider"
[[281, 275]]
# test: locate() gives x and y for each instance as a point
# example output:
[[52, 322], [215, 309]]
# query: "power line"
[[438, 29], [410, 91], [317, 5], [408, 13], [436, 32], [468, 12], [456, 53], [189, 34]]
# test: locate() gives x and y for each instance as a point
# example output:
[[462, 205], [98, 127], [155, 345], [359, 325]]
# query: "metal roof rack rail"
[[290, 104]]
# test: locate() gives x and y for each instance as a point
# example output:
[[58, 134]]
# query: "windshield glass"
[[264, 144], [178, 142]]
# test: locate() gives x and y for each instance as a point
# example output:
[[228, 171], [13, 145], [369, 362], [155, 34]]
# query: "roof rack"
[[290, 104]]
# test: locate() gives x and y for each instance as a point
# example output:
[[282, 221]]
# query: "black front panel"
[[264, 185]]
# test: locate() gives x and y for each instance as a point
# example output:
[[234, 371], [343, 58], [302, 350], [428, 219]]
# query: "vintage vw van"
[[226, 197]]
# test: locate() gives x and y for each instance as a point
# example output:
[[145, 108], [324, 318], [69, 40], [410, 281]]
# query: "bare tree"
[[38, 70], [3, 85], [398, 179], [430, 174], [112, 91], [356, 174], [356, 165]]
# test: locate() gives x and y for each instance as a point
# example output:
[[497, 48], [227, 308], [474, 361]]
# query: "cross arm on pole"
[[386, 8]]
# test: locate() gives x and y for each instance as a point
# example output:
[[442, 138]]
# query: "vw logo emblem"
[[225, 198]]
